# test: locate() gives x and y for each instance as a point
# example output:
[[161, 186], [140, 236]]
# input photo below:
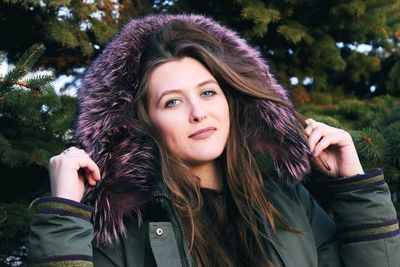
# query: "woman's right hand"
[[66, 179]]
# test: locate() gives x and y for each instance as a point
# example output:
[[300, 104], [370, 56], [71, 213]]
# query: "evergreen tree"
[[317, 41], [35, 123], [73, 31], [34, 120]]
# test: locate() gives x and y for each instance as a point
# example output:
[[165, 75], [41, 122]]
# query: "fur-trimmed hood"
[[127, 158]]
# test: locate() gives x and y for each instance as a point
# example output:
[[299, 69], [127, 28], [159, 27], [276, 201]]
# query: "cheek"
[[168, 130], [227, 120], [225, 115]]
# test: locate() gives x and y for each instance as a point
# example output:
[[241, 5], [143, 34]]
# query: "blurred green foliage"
[[14, 219], [339, 60]]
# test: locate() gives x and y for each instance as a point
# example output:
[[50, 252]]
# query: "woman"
[[172, 114]]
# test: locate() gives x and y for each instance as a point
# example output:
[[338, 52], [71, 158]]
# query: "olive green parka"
[[365, 231]]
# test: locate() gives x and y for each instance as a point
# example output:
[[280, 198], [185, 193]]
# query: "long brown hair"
[[178, 39]]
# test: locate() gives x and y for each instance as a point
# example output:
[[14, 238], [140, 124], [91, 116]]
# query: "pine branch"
[[65, 34], [29, 58], [55, 4], [11, 78], [37, 82], [371, 145], [261, 16], [392, 135], [24, 65], [295, 32], [25, 3], [4, 144], [18, 83]]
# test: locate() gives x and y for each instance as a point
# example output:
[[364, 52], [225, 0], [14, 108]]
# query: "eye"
[[172, 103], [208, 93]]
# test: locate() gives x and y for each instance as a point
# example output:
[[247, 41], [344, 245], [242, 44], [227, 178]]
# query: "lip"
[[203, 133]]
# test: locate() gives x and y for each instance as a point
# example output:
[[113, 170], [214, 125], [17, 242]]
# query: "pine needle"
[[29, 58]]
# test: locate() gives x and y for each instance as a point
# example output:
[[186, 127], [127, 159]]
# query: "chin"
[[203, 156]]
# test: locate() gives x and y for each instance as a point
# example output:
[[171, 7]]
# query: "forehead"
[[179, 74]]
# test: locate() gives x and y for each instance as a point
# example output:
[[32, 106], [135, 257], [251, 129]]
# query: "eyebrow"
[[171, 91]]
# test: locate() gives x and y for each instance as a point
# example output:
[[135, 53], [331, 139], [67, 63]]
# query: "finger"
[[322, 164], [314, 137], [326, 141], [74, 152], [86, 177], [75, 157], [309, 120], [318, 132], [311, 125], [91, 181], [91, 167], [91, 178], [308, 130], [81, 160], [70, 149]]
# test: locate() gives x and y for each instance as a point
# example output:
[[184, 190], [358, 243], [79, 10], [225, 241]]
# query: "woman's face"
[[189, 109]]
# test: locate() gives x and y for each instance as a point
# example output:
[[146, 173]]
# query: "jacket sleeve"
[[366, 221], [61, 234], [323, 229]]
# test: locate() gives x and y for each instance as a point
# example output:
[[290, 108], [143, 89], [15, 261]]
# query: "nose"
[[198, 112]]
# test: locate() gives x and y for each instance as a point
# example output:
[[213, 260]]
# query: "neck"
[[210, 175]]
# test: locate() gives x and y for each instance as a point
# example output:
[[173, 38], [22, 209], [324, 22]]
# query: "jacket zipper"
[[182, 241], [267, 232], [178, 226]]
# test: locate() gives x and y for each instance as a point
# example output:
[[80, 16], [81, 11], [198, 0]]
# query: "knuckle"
[[73, 148], [346, 134], [319, 128]]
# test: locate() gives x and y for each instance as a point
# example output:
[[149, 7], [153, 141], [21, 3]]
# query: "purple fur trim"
[[127, 158]]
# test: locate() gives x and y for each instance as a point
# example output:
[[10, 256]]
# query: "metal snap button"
[[159, 231]]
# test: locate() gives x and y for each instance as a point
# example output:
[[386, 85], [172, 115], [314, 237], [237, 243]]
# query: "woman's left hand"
[[333, 149]]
